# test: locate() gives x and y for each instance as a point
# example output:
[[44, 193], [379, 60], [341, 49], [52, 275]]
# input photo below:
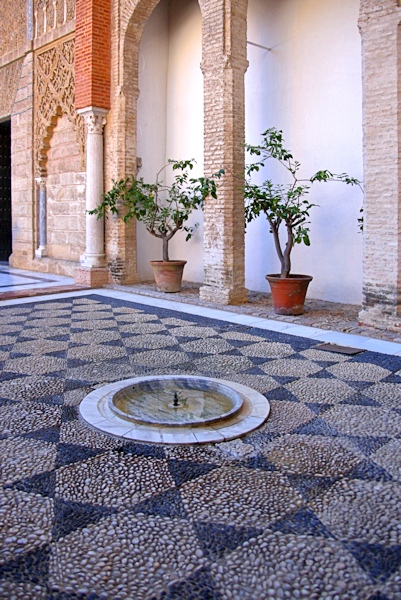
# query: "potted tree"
[[164, 210], [286, 207]]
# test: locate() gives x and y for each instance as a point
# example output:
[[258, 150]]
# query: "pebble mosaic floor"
[[308, 506]]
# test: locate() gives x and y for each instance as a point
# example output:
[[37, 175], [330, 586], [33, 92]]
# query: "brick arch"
[[223, 64]]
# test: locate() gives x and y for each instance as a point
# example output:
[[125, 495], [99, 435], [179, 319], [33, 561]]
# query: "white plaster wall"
[[309, 86], [170, 116], [151, 119]]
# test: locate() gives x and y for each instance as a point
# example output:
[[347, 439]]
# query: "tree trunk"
[[286, 262], [165, 249]]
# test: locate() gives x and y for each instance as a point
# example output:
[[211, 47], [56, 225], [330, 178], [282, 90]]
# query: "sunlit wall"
[[309, 86]]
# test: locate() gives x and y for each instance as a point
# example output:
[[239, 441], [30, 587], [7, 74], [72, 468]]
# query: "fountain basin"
[[118, 409], [176, 403]]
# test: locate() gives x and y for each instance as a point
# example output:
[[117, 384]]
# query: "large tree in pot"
[[164, 209], [286, 206]]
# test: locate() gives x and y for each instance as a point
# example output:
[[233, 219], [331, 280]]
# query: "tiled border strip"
[[320, 335]]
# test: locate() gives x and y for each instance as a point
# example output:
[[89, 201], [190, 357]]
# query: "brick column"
[[380, 30], [224, 64], [121, 248], [92, 100]]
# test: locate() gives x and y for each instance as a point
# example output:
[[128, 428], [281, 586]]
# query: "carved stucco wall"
[[9, 78], [54, 97], [13, 25]]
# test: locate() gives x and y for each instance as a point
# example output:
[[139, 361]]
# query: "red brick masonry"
[[92, 54]]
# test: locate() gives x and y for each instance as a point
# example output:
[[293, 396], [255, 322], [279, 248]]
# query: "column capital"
[[95, 119], [41, 182]]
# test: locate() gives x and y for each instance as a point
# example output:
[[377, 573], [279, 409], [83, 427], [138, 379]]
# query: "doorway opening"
[[5, 191]]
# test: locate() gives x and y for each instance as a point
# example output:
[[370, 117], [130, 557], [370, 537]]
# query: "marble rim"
[[95, 411], [183, 382]]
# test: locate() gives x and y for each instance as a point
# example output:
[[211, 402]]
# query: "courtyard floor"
[[307, 506]]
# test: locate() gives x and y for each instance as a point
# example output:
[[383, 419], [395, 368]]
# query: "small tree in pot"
[[285, 206], [164, 210]]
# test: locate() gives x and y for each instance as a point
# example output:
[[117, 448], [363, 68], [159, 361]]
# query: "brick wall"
[[380, 29], [371, 10], [92, 54], [224, 64]]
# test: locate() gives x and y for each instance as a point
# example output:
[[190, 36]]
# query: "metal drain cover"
[[339, 349]]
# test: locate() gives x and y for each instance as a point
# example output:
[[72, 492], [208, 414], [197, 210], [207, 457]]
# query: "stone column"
[[224, 64], [41, 251], [381, 45], [93, 271], [92, 101]]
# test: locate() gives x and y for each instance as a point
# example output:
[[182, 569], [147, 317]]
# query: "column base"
[[223, 295], [41, 252], [93, 261], [95, 277]]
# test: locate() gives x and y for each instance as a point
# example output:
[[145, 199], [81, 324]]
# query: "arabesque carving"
[[54, 96], [9, 78]]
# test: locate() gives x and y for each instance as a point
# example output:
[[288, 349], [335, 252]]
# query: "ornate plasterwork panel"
[[9, 78], [12, 25], [54, 96]]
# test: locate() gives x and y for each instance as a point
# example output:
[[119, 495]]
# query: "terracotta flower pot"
[[168, 274], [289, 293]]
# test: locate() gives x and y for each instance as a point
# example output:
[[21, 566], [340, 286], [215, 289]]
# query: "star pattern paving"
[[308, 505]]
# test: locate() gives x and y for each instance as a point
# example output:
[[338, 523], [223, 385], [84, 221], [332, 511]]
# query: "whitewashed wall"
[[309, 86], [170, 116]]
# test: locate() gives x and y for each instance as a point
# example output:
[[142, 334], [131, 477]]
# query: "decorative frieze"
[[49, 14]]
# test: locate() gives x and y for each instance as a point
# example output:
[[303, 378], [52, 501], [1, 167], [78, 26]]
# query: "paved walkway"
[[307, 506], [318, 313], [17, 283]]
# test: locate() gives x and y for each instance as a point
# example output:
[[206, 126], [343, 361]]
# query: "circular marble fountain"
[[175, 409]]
